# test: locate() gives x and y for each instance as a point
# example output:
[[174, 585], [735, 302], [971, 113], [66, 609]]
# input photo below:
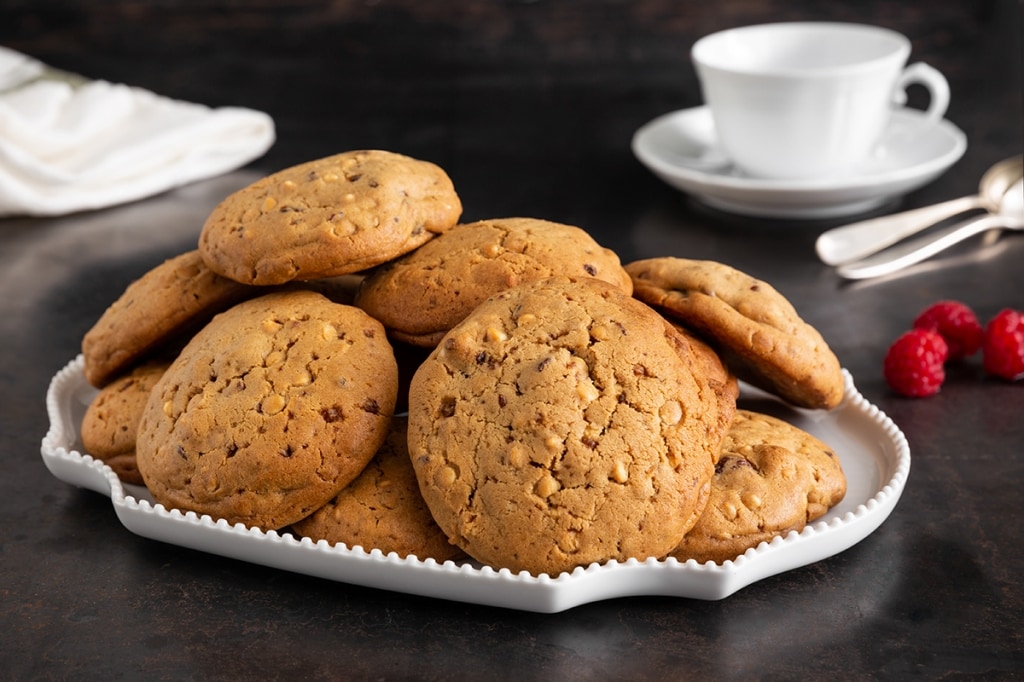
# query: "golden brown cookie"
[[332, 216], [382, 508], [170, 301], [422, 295], [755, 329], [771, 478], [269, 411], [558, 425], [112, 419]]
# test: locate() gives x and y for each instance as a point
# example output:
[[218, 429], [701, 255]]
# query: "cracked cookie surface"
[[170, 300], [382, 508], [558, 425], [771, 478], [269, 411], [333, 216], [423, 294], [755, 328]]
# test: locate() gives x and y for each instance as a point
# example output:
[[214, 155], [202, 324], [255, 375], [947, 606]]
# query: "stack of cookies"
[[562, 408]]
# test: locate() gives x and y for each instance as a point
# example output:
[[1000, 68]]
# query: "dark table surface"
[[530, 107]]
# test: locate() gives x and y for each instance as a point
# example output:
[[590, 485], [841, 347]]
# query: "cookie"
[[332, 216], [422, 295], [382, 508], [269, 411], [752, 326], [771, 478], [168, 302], [558, 425], [112, 419]]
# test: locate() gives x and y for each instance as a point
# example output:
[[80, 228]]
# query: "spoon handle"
[[917, 250], [855, 241]]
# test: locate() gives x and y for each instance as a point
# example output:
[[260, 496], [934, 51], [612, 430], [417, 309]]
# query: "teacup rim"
[[899, 54]]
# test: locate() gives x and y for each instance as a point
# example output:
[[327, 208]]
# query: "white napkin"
[[69, 144]]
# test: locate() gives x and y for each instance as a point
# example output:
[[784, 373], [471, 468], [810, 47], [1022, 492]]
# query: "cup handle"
[[930, 78]]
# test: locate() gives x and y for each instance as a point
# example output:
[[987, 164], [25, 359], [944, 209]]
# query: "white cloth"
[[69, 144]]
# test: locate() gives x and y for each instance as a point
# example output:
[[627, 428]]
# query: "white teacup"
[[807, 99]]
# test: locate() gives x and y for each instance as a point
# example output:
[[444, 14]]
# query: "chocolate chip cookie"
[[111, 421], [772, 478], [755, 328], [269, 411], [558, 425], [332, 216]]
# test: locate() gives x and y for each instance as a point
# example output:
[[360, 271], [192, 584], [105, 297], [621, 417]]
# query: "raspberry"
[[957, 324], [1003, 348], [914, 363]]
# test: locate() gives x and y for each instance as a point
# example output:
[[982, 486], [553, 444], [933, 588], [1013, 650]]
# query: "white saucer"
[[681, 148]]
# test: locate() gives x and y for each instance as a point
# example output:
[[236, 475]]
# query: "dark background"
[[500, 93], [530, 107]]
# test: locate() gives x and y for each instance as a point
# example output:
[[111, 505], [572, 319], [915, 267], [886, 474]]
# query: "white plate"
[[681, 148], [873, 451]]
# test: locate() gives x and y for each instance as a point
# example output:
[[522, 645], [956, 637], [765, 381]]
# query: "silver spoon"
[[1009, 215], [857, 240]]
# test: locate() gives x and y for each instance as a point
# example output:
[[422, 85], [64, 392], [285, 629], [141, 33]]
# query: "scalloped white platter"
[[873, 451]]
